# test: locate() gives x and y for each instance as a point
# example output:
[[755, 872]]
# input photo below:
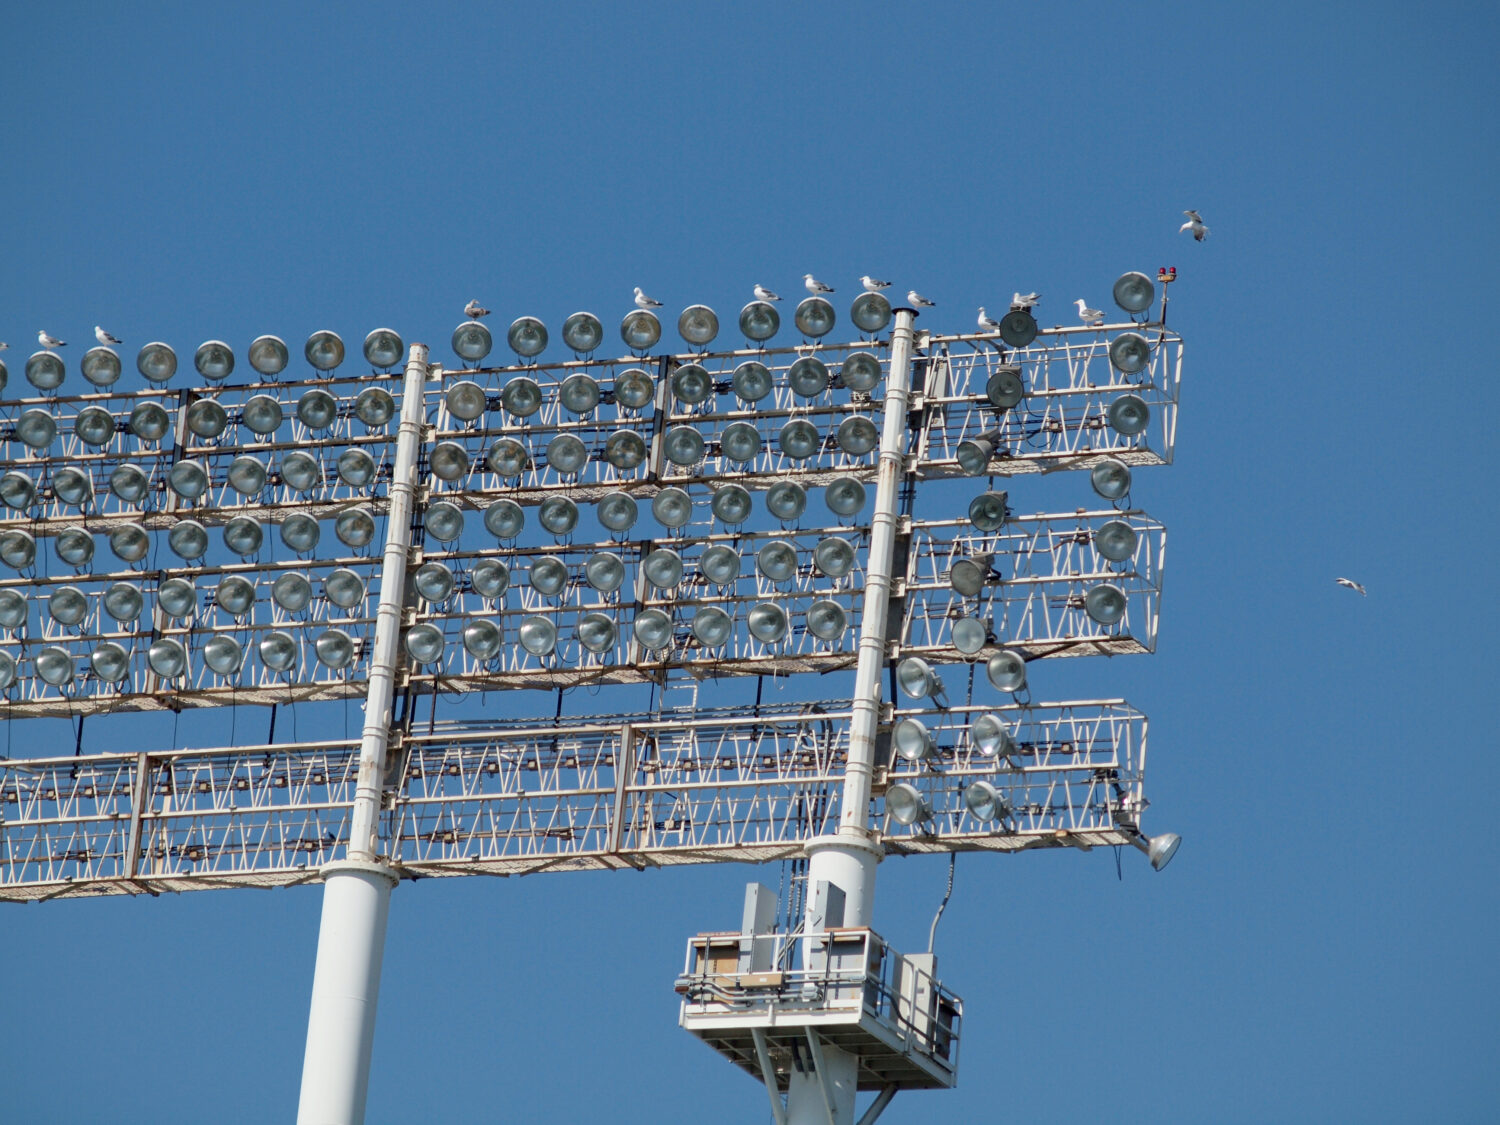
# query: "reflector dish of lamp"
[[1004, 387], [472, 341], [157, 362], [101, 367], [292, 592], [95, 427], [663, 568], [988, 511], [1116, 540], [72, 486], [751, 381], [808, 376], [672, 507], [129, 483], [906, 805], [870, 312], [424, 643], [148, 421], [845, 496], [344, 588], [300, 532], [683, 445], [912, 740], [640, 330], [777, 560], [597, 633], [857, 435], [508, 458], [740, 442], [799, 439], [7, 670], [246, 475], [188, 539], [223, 655], [1110, 478], [558, 515], [12, 609], [975, 454], [1129, 353], [123, 601], [37, 428], [177, 598], [653, 630], [582, 332], [634, 389], [110, 662], [786, 500], [235, 595], [449, 460], [45, 371], [434, 582], [75, 546], [482, 639], [759, 321], [374, 407], [720, 565], [834, 557], [969, 576], [214, 360], [189, 479], [521, 397], [692, 384], [356, 468], [129, 542], [355, 527], [1162, 848], [814, 317], [731, 504], [604, 571], [579, 393], [206, 418], [970, 635], [1018, 328], [767, 623], [538, 635], [167, 657], [504, 519], [625, 450], [986, 802], [18, 491], [548, 576], [384, 348], [278, 650], [300, 471], [68, 605], [262, 414], [444, 521], [916, 678], [489, 578], [712, 626], [334, 649], [1134, 292], [17, 549], [826, 620], [268, 355], [1006, 671], [617, 511], [54, 665], [317, 409], [1129, 415], [1105, 604], [527, 337], [465, 401], [989, 738], [324, 350], [698, 325]]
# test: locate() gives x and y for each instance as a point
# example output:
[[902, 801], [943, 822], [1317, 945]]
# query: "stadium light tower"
[[632, 525]]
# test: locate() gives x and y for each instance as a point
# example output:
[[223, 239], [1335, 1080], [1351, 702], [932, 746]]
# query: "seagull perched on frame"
[[873, 284], [987, 323], [1352, 585], [764, 294], [1194, 224], [644, 302], [104, 337], [919, 301], [474, 310], [814, 286], [50, 341], [1025, 301], [1087, 315]]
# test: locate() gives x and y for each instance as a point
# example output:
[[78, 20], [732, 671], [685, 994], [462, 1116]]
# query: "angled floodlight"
[[558, 514], [845, 497], [243, 535], [799, 439], [976, 453], [653, 630], [73, 486], [672, 507], [625, 450], [604, 571], [17, 549], [45, 371], [356, 468], [214, 360], [94, 426], [110, 662], [860, 371], [1110, 478], [683, 445], [751, 381], [857, 435], [206, 418], [101, 366], [698, 325], [759, 321], [188, 540], [334, 649], [167, 658], [355, 527], [1004, 388], [634, 389], [521, 397], [466, 401], [156, 361], [970, 575], [808, 376], [834, 557], [317, 409], [527, 337], [292, 592], [435, 583], [129, 542], [1007, 671], [54, 664], [731, 504], [663, 568], [235, 595], [17, 490], [692, 384], [597, 632], [777, 561], [1018, 328], [814, 317], [504, 519], [719, 565], [1134, 292], [507, 458], [739, 442], [986, 802], [384, 348], [1129, 415], [444, 521], [68, 605], [767, 623], [912, 740], [262, 414], [871, 312], [1116, 540], [278, 650], [374, 407], [301, 472], [300, 532], [189, 479], [75, 546], [124, 601], [617, 511], [129, 483], [1129, 353], [449, 460], [482, 639], [582, 332], [8, 671], [489, 578], [324, 350], [826, 620], [13, 610], [424, 643], [1161, 849], [640, 330], [343, 588], [786, 500], [548, 576], [988, 511], [472, 341], [917, 680], [579, 393], [906, 805], [989, 738], [269, 355], [1105, 604], [712, 626], [148, 421], [177, 598], [36, 428], [970, 635]]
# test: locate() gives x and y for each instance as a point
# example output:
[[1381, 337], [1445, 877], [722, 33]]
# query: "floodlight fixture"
[[482, 639], [860, 371], [13, 609], [129, 542], [110, 662], [625, 450], [489, 578], [712, 627], [355, 467], [324, 350], [1007, 671], [449, 460], [177, 598], [970, 635], [617, 511], [278, 650], [188, 478], [548, 576], [75, 546], [731, 504], [101, 366], [739, 442], [472, 341], [167, 658], [1110, 478], [906, 805], [262, 414], [424, 643], [527, 337], [1116, 540], [67, 605], [672, 507], [582, 332], [148, 421], [334, 649], [45, 371], [1105, 604], [235, 595], [692, 384], [269, 355], [663, 568], [521, 397], [465, 401], [246, 475], [777, 561], [579, 393], [156, 361], [968, 576], [989, 737], [1129, 353], [683, 445], [73, 486], [799, 439], [976, 453], [808, 376], [504, 519], [845, 497], [507, 458], [604, 571], [1018, 328], [1134, 292], [54, 664], [719, 565], [912, 740], [834, 557], [1160, 849], [698, 325], [597, 632], [8, 671], [1128, 415], [123, 601], [634, 389], [291, 591], [826, 620], [917, 680], [640, 330], [301, 472], [317, 409], [435, 583], [344, 588], [95, 427], [752, 380], [986, 802], [759, 321], [444, 521], [188, 540], [871, 312], [17, 549], [214, 360], [300, 532], [129, 483], [206, 418], [653, 629], [1004, 387], [384, 348], [857, 435], [814, 317], [767, 623], [355, 527], [17, 490], [243, 535], [36, 428], [989, 511]]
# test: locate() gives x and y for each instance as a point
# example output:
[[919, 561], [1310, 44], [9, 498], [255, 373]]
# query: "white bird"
[[1026, 301], [644, 302], [1194, 224], [920, 301], [50, 341], [1351, 584], [104, 337], [986, 322], [1088, 315], [474, 310], [4, 346], [814, 286], [873, 284], [764, 294]]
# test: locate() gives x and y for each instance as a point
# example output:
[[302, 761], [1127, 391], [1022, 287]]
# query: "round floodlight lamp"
[[604, 571], [489, 578], [834, 557], [731, 505], [75, 546], [1018, 328], [719, 565], [157, 362], [13, 609], [912, 740], [527, 337], [767, 623], [917, 680], [384, 348], [223, 655], [777, 561], [148, 421], [826, 620], [989, 738], [1116, 540], [235, 595], [970, 635], [986, 802], [597, 632], [683, 445], [871, 312], [95, 427], [449, 460], [1111, 478], [1105, 604], [434, 582], [582, 332], [698, 325], [507, 458], [129, 542], [300, 532], [988, 511], [167, 657], [343, 588], [300, 471], [504, 519], [975, 454], [799, 439], [45, 371], [634, 389], [663, 568], [1129, 353], [207, 419], [18, 491], [374, 407], [521, 397], [269, 355], [355, 527], [538, 635], [36, 428], [740, 442], [906, 805], [292, 592], [617, 511], [1004, 388], [68, 605], [101, 366], [214, 360], [110, 662], [786, 500], [861, 371], [246, 475], [317, 409], [472, 341], [845, 497], [444, 521], [692, 384], [188, 540], [73, 486], [712, 627], [177, 598], [759, 321], [424, 643], [672, 508], [751, 381], [548, 576], [640, 330], [123, 601], [558, 514], [1134, 292], [278, 651], [334, 649], [1006, 671], [653, 630], [466, 401], [17, 549], [262, 415], [857, 435], [970, 575], [814, 317], [8, 671], [129, 483], [54, 664], [1162, 848], [1129, 415], [482, 639], [324, 350], [625, 450], [808, 376], [579, 393]]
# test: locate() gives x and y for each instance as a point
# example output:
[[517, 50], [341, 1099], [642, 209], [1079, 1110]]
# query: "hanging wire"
[[942, 906]]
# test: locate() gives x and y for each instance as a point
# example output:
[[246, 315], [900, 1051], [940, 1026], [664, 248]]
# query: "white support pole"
[[357, 891]]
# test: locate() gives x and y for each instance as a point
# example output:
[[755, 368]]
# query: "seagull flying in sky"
[[1088, 315], [814, 286], [920, 301], [104, 337], [987, 323], [4, 346], [873, 284], [644, 302], [1025, 301], [474, 310], [1194, 224], [764, 294], [1351, 584], [50, 341]]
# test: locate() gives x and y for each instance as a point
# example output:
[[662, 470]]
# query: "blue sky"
[[1317, 951]]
